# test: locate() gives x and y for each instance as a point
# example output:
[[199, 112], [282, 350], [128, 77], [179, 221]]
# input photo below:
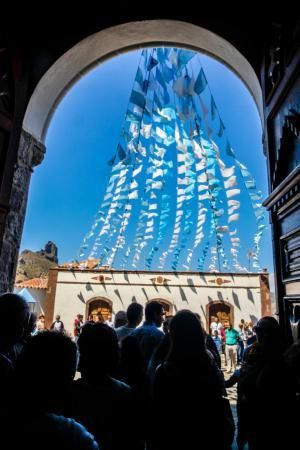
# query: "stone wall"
[[30, 154]]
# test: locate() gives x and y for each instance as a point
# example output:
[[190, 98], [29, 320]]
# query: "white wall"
[[184, 291]]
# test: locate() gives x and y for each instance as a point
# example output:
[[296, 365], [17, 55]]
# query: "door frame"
[[220, 302], [103, 299]]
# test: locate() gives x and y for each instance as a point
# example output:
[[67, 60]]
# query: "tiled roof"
[[34, 283], [90, 263]]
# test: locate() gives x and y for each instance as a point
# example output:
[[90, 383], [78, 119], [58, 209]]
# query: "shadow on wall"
[[191, 285], [145, 293], [236, 300], [203, 279], [81, 298], [155, 287], [182, 295], [89, 287], [220, 296], [167, 287], [116, 291], [250, 295]]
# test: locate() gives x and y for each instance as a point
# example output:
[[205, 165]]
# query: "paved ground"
[[232, 396]]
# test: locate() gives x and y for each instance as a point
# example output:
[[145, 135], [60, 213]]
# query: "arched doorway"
[[222, 310], [168, 307], [97, 308]]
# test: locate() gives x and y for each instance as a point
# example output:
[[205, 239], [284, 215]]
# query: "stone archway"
[[71, 66], [99, 307], [222, 310]]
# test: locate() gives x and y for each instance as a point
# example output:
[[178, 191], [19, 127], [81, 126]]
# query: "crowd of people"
[[230, 342], [155, 385]]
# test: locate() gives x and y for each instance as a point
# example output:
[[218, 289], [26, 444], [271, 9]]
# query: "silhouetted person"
[[31, 326], [189, 385], [14, 315], [90, 319], [29, 330], [48, 361], [134, 316], [161, 351], [210, 343], [266, 391], [166, 324], [148, 334], [234, 378], [120, 319], [132, 372], [6, 388], [102, 403], [47, 364], [49, 432], [292, 361]]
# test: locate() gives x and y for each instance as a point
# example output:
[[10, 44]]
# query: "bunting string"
[[176, 188]]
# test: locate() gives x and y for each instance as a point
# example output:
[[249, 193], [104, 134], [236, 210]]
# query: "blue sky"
[[67, 188]]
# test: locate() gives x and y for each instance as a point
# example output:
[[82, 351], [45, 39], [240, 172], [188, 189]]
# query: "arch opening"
[[207, 45], [107, 43], [99, 310], [221, 310]]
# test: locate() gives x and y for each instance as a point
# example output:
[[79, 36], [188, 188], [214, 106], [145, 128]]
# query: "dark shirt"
[[267, 399], [104, 407], [211, 346], [48, 432], [149, 336], [182, 389], [6, 379]]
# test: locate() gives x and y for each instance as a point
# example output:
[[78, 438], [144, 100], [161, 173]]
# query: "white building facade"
[[228, 296]]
